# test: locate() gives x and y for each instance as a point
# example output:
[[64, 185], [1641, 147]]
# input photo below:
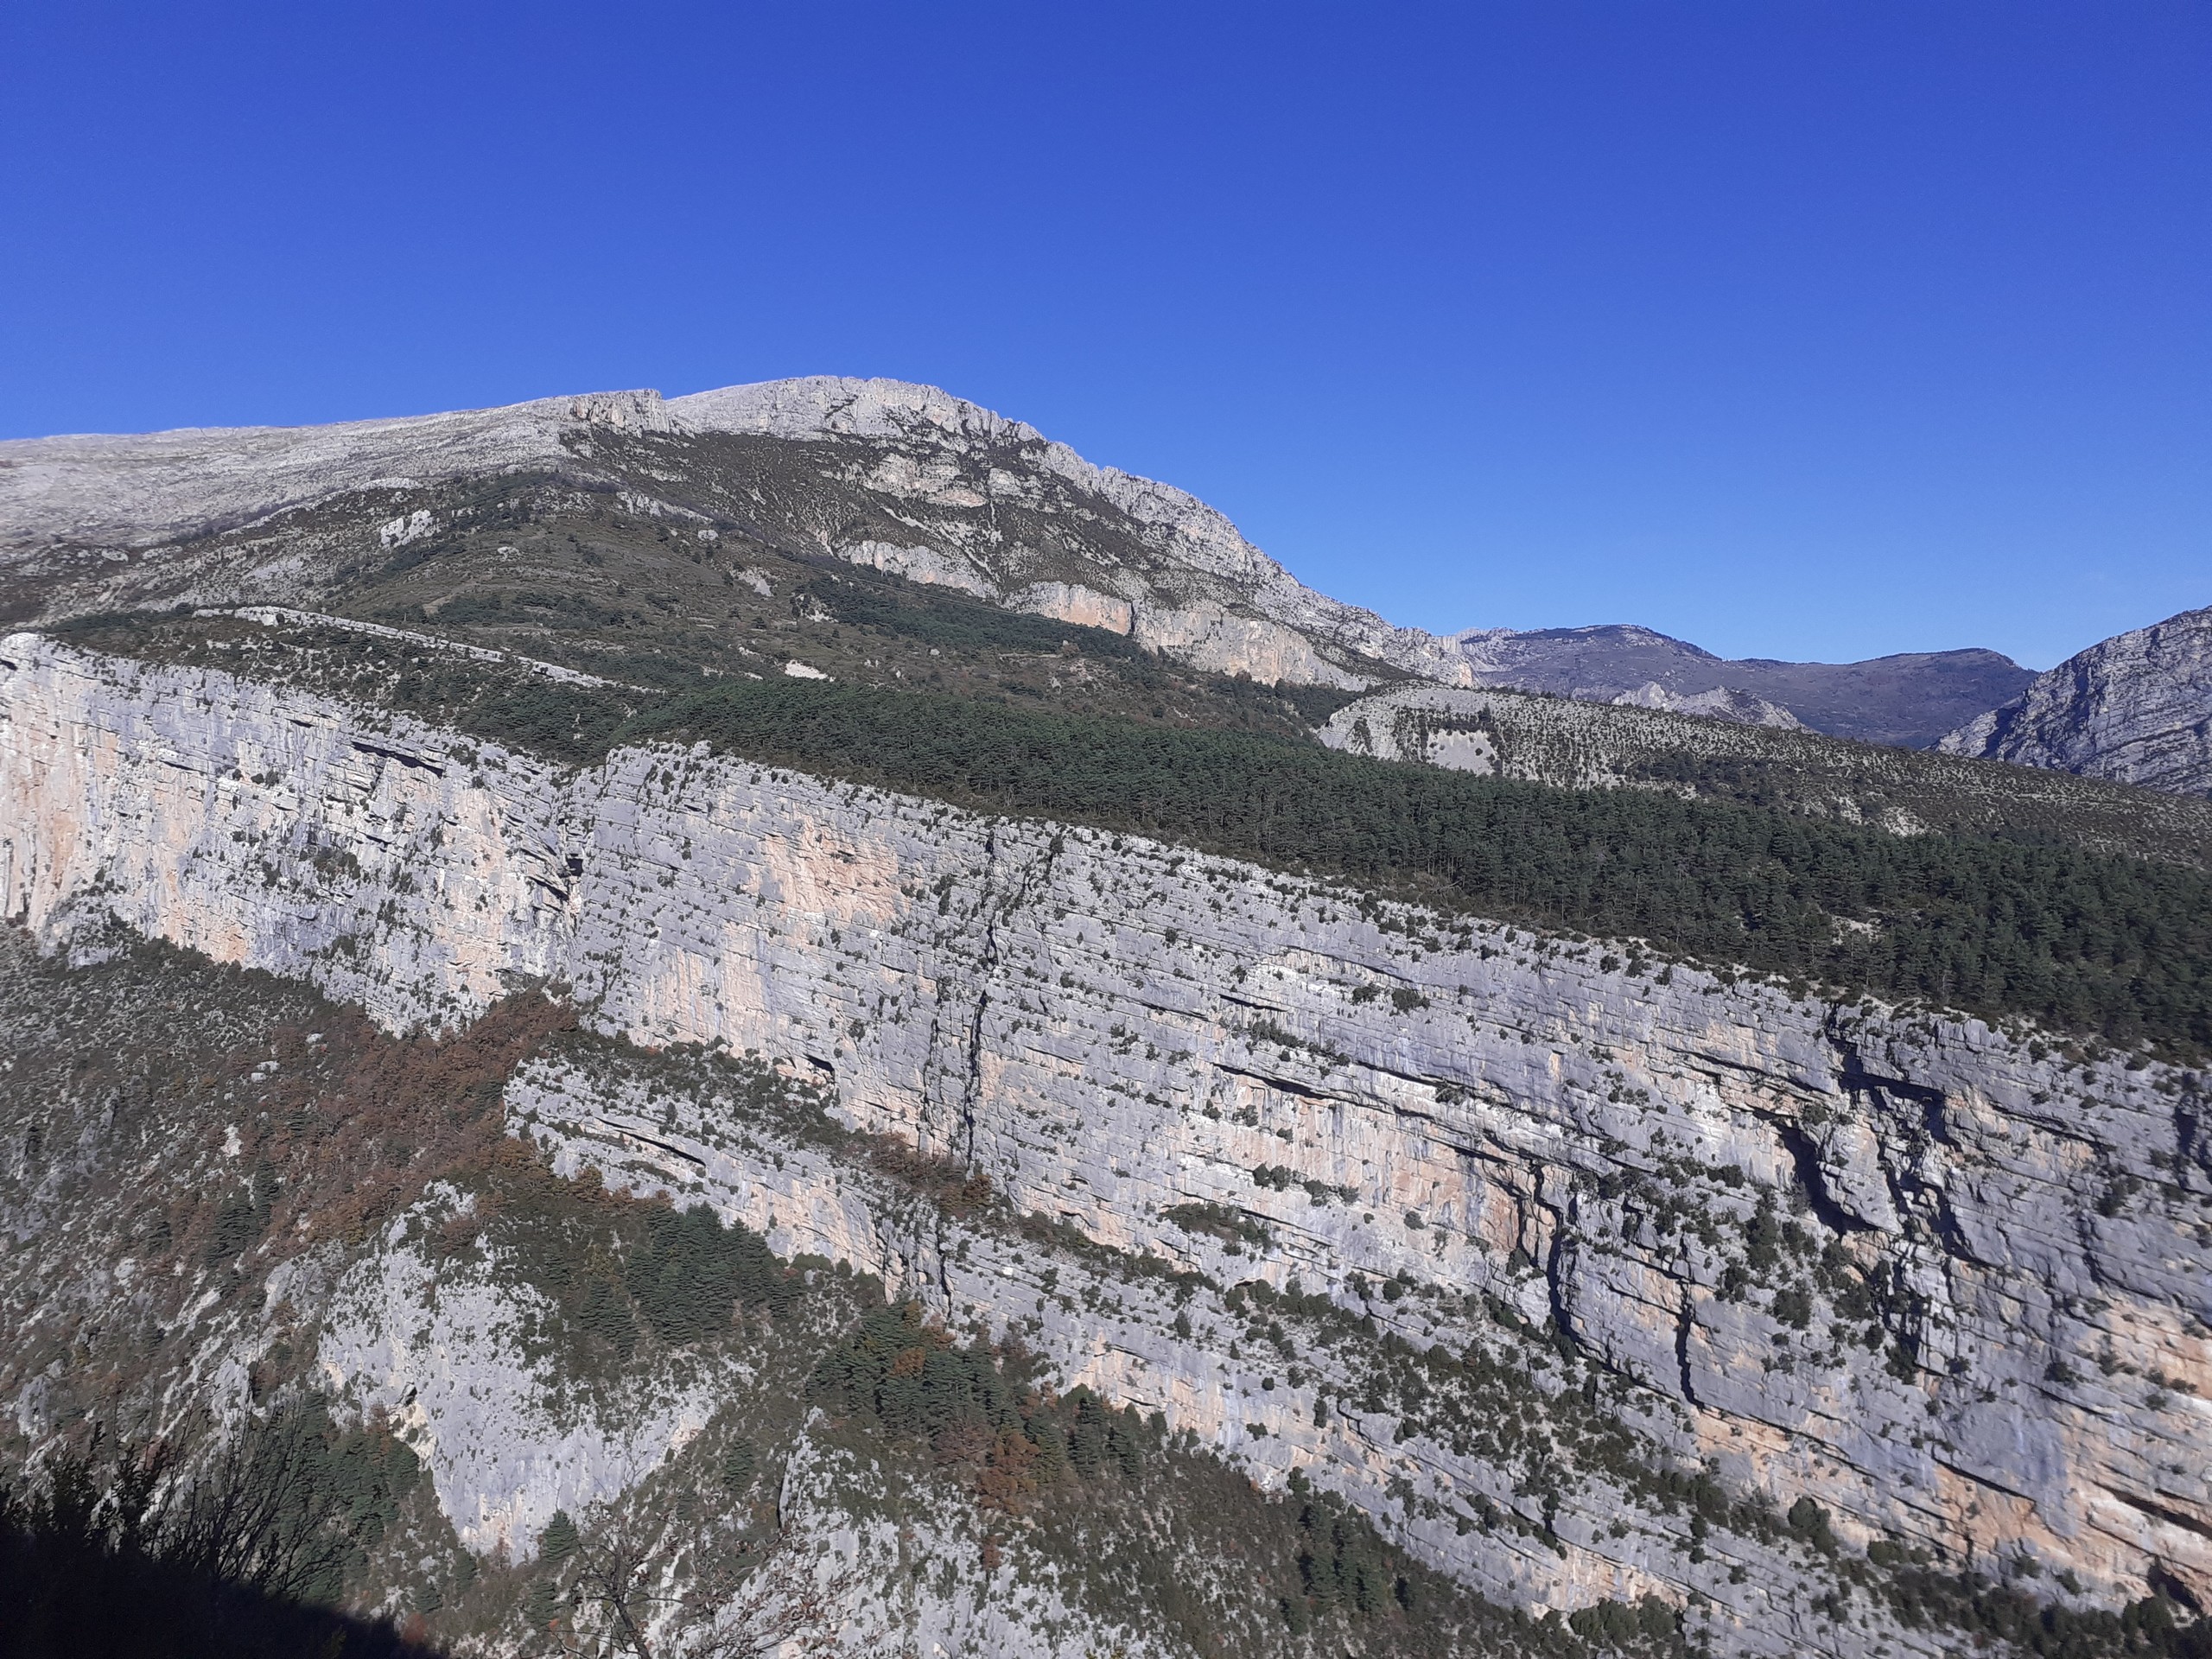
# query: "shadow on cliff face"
[[61, 1597], [123, 1556], [66, 1595]]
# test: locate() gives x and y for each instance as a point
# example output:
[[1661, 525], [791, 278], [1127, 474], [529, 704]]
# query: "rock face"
[[1945, 1282], [444, 1352], [900, 477], [2136, 709]]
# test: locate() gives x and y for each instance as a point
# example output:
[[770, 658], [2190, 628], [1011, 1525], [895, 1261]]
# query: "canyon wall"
[[1947, 1283]]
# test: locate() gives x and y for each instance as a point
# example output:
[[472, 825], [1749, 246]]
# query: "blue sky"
[[1795, 329]]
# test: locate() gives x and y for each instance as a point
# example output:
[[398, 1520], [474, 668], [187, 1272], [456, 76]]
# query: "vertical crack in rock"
[[1684, 1322], [971, 1089], [1557, 1262], [991, 909], [2191, 1152], [939, 1224], [1813, 1181]]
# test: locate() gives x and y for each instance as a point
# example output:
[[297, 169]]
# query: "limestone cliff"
[[1946, 1282], [2136, 709]]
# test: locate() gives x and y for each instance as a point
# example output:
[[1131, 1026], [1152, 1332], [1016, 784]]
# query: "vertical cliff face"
[[2136, 709], [395, 866], [1274, 1141]]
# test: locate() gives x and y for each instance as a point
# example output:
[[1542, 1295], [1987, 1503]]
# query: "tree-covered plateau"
[[2087, 944]]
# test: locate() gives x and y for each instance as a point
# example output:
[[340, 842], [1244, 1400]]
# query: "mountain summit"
[[902, 479]]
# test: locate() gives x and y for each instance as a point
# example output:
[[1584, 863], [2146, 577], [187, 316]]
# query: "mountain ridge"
[[1057, 536], [1902, 699]]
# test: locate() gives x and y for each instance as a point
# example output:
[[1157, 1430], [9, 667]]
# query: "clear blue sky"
[[1793, 328]]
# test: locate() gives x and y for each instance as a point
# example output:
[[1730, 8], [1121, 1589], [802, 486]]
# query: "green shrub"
[[741, 1462], [977, 1405], [558, 1540], [692, 1271]]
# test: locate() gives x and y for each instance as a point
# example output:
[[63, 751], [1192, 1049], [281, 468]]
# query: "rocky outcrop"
[[1719, 703], [1195, 590], [2136, 709], [444, 1352], [1946, 1282], [1580, 745]]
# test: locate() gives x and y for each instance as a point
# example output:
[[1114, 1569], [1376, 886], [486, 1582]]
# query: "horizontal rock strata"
[[1949, 1283]]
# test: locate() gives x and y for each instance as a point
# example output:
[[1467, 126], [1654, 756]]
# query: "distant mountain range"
[[1908, 700], [910, 482]]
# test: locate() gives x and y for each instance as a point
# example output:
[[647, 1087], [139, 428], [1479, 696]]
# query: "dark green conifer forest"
[[2085, 943]]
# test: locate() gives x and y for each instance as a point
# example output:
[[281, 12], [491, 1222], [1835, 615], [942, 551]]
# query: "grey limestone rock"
[[2136, 709], [443, 1351], [1949, 1280], [1718, 702]]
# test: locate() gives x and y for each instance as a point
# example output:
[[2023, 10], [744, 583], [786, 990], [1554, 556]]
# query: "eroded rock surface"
[[1948, 1281], [2136, 709]]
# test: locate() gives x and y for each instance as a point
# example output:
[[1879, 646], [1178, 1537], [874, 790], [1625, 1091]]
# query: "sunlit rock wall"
[[1949, 1284]]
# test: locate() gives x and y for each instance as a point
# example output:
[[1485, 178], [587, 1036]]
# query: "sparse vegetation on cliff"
[[371, 1140]]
